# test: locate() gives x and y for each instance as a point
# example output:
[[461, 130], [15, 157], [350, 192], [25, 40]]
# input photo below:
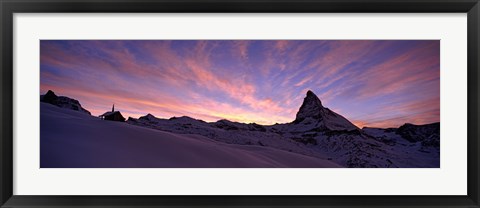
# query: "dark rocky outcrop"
[[428, 134], [63, 102], [312, 114]]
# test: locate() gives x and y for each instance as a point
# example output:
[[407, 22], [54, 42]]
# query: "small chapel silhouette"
[[112, 115]]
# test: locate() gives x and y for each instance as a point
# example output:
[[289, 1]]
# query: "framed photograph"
[[239, 104]]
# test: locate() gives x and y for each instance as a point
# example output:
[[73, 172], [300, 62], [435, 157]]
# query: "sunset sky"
[[371, 83]]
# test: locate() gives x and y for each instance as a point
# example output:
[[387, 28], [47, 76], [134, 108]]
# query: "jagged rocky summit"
[[62, 102], [314, 115]]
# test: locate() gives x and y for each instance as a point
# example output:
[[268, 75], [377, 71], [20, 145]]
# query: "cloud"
[[303, 81], [281, 45], [241, 48], [412, 66], [137, 78], [250, 81]]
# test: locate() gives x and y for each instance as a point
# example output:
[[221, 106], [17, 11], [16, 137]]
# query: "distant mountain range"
[[316, 131]]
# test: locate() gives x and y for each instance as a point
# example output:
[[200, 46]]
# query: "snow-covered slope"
[[369, 147], [318, 137], [225, 131], [72, 139], [321, 133]]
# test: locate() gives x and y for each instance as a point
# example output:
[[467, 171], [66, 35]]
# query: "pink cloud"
[[241, 48], [143, 89], [303, 81], [175, 72]]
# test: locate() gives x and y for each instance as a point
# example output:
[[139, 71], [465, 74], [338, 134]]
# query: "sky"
[[374, 83]]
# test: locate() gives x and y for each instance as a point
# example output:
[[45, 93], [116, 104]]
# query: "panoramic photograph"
[[239, 104]]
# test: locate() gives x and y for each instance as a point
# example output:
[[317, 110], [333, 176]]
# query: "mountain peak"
[[311, 106], [313, 113], [62, 101], [148, 117], [49, 97], [310, 93]]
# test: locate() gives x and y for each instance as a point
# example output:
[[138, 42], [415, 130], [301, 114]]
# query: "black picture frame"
[[9, 7]]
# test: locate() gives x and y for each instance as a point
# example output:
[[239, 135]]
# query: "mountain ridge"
[[318, 132]]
